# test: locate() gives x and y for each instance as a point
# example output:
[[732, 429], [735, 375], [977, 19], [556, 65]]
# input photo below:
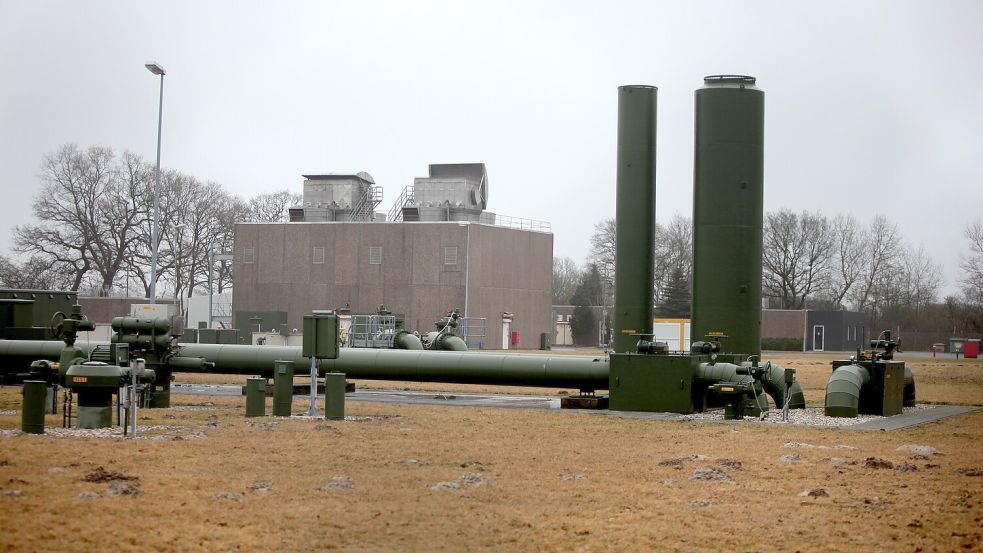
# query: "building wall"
[[842, 330], [102, 310], [510, 270], [783, 323]]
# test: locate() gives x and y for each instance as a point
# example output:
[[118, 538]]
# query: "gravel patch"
[[446, 487], [261, 486], [229, 496], [100, 474], [13, 493], [810, 416], [56, 470], [711, 474], [906, 467], [875, 463], [574, 477], [124, 488], [668, 482], [677, 462], [700, 503], [924, 450], [730, 463], [815, 492], [465, 480], [790, 458], [88, 496], [9, 411], [802, 445], [338, 484]]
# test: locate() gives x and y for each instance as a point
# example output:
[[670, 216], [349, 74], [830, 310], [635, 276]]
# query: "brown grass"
[[625, 502]]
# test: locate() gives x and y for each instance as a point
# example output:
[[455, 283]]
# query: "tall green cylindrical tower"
[[727, 212], [635, 250]]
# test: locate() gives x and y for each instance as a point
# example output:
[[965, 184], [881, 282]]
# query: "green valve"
[[32, 411], [283, 388], [255, 397], [334, 396]]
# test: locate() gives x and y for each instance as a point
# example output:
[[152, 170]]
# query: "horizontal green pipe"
[[843, 390]]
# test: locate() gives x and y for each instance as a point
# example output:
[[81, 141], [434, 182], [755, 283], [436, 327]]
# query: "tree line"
[[92, 229], [810, 261]]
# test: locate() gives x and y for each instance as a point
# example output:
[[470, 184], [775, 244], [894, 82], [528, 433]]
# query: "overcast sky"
[[871, 107]]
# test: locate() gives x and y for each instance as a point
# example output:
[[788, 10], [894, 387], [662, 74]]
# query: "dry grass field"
[[436, 478]]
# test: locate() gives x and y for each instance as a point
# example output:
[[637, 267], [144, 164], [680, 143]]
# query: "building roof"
[[325, 176]]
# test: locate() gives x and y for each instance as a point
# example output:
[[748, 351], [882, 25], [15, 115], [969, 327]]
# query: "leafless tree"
[[602, 248], [566, 276], [972, 264], [882, 253], [848, 262], [272, 207], [673, 251], [795, 257], [37, 273], [86, 213]]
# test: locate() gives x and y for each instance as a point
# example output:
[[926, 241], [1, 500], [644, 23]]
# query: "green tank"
[[728, 211], [635, 215], [32, 410]]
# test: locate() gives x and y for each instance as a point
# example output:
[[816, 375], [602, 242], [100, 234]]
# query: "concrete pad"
[[916, 418]]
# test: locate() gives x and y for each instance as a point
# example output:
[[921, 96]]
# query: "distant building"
[[440, 251], [814, 330]]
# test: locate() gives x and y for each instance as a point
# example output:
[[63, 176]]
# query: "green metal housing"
[[32, 409], [334, 396], [659, 383], [283, 385], [635, 215], [728, 212], [867, 387], [255, 397]]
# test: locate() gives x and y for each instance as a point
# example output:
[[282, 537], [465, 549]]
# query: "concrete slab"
[[897, 422], [915, 418]]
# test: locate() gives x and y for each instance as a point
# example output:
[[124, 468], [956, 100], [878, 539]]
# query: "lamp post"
[[156, 69]]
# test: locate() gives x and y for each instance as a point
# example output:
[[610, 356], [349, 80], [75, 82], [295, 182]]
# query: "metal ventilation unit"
[[338, 197]]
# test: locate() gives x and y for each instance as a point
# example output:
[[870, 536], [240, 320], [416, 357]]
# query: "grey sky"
[[871, 107]]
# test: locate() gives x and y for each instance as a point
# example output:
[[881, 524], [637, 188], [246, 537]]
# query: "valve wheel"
[[55, 327]]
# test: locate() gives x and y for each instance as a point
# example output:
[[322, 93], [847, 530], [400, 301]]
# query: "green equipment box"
[[657, 383], [321, 336]]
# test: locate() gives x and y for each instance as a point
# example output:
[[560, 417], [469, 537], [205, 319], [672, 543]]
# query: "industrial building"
[[816, 330], [438, 250]]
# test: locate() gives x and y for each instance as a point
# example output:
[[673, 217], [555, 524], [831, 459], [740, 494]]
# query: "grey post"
[[156, 69]]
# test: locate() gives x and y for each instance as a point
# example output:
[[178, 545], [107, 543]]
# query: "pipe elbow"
[[843, 391], [909, 388], [405, 340]]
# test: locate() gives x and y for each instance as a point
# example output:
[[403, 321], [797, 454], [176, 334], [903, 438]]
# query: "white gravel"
[[810, 416]]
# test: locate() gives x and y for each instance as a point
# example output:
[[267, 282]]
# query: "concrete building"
[[814, 330], [452, 256]]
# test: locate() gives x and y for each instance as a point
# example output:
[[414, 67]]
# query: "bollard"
[[334, 396], [283, 388], [32, 410], [255, 397]]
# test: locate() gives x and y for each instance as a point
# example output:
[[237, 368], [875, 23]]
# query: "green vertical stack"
[[728, 211], [635, 232]]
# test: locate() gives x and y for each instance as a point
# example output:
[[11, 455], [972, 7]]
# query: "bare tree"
[[848, 263], [566, 277], [272, 207], [795, 257], [673, 252], [37, 273], [882, 254], [602, 248], [972, 264]]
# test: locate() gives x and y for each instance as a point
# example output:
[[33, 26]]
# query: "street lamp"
[[156, 69]]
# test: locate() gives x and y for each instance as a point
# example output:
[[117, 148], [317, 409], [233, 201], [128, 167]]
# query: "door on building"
[[817, 337]]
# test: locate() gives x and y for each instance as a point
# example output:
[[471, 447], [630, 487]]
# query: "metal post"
[[211, 267], [153, 228], [136, 366], [312, 410]]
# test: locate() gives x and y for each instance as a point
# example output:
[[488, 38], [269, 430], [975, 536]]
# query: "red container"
[[515, 337], [971, 349]]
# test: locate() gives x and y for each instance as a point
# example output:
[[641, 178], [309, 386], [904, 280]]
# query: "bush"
[[782, 344]]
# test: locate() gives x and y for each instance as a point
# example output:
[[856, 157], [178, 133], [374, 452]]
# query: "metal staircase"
[[364, 209], [400, 211]]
